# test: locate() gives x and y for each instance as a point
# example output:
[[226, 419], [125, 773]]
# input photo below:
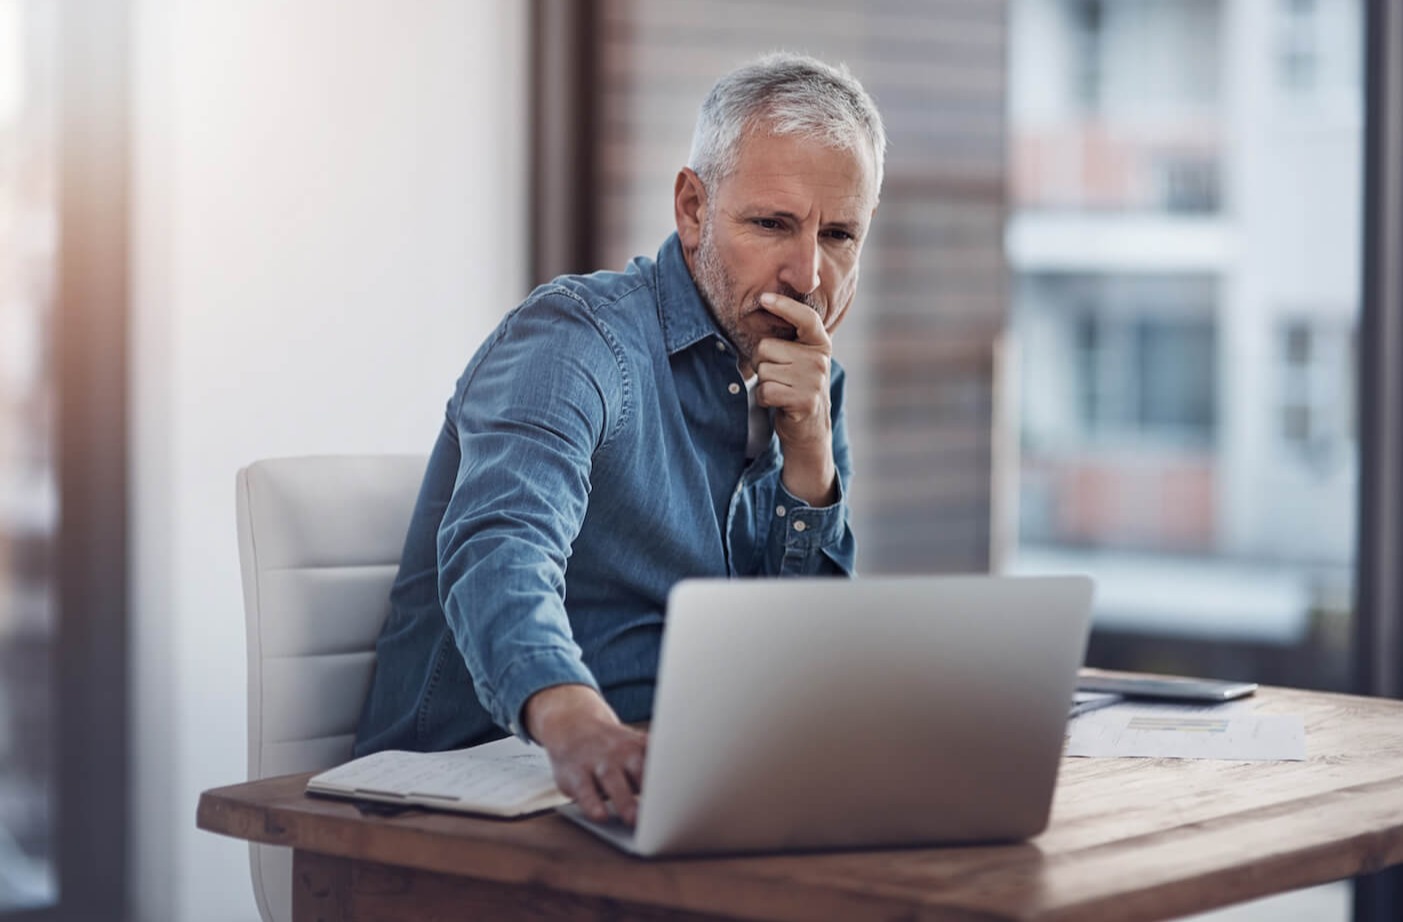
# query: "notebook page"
[[502, 775]]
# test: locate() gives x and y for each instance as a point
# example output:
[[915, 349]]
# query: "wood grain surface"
[[1130, 840]]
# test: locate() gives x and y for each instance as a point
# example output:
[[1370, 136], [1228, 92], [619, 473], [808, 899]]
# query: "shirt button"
[[800, 526], [734, 388], [720, 346], [781, 511]]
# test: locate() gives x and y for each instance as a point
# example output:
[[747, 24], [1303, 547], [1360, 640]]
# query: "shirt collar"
[[681, 311]]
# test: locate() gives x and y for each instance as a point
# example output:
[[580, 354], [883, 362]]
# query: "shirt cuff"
[[524, 676], [809, 528]]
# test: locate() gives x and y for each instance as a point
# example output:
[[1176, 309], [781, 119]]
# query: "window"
[[1296, 48], [1089, 16], [28, 463], [1317, 416], [1317, 55], [1146, 377], [1117, 105], [1184, 419], [1117, 359], [1188, 183], [63, 115]]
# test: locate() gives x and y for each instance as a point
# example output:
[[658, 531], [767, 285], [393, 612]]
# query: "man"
[[619, 432]]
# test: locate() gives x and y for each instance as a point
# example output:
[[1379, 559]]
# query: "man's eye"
[[768, 223], [841, 235]]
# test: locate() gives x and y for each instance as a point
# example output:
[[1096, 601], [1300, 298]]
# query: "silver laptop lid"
[[821, 713]]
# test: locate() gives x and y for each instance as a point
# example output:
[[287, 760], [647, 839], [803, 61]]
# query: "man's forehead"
[[784, 172]]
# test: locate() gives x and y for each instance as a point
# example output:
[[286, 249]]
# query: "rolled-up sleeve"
[[529, 419]]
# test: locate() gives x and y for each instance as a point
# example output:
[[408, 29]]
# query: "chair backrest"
[[319, 544]]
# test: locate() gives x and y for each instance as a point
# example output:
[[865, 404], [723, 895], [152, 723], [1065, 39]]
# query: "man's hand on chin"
[[794, 379], [595, 758]]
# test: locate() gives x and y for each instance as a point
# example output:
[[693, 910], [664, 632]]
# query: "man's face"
[[790, 219]]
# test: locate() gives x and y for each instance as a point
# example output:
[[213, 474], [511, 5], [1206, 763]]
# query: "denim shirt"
[[592, 455]]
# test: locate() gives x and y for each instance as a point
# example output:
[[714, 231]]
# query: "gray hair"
[[792, 95]]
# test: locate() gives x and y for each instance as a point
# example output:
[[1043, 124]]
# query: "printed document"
[[1188, 732]]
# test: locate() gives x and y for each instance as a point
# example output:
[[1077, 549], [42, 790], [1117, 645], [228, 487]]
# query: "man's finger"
[[808, 325], [633, 770], [797, 404], [775, 357], [587, 796], [620, 793]]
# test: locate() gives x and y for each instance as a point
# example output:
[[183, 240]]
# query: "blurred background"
[[1109, 323], [28, 514]]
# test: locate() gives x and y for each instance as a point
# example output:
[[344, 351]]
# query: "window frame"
[[1378, 622], [91, 427]]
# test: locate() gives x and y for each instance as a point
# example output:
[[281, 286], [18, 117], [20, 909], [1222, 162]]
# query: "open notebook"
[[503, 778]]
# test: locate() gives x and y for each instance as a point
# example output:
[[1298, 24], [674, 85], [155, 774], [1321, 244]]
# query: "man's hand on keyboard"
[[595, 758]]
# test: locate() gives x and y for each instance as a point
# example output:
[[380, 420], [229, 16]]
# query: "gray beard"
[[717, 287]]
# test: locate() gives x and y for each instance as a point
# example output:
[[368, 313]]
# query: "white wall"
[[329, 212]]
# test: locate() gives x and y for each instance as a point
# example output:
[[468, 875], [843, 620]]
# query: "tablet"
[[1173, 688]]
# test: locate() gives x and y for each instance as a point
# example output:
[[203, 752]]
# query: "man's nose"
[[800, 270]]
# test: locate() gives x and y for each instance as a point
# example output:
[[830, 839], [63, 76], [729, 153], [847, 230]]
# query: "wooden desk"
[[1131, 839]]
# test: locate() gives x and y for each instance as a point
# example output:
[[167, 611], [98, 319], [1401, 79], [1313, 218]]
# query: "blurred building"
[[1184, 239]]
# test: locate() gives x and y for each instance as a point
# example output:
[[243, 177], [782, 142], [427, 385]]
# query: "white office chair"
[[319, 544]]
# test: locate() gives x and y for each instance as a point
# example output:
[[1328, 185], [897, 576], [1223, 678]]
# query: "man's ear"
[[689, 206]]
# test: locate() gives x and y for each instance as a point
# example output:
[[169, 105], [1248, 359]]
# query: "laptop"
[[803, 714]]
